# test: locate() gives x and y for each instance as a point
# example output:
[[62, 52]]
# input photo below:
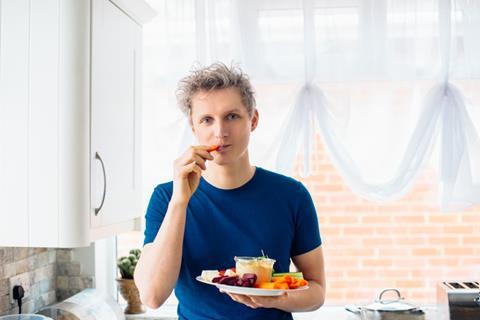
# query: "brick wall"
[[408, 244], [52, 274]]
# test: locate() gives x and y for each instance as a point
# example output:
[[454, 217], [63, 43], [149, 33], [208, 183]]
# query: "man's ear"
[[190, 122], [255, 118]]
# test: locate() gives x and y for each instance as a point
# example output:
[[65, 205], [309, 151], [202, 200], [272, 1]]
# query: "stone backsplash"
[[52, 276]]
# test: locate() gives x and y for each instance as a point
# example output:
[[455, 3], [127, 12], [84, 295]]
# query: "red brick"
[[425, 229], [359, 252], [377, 241], [470, 218], [473, 261], [409, 284], [358, 230], [392, 274], [327, 208], [329, 188], [335, 242], [443, 219], [458, 229], [391, 229], [344, 219], [408, 263], [393, 208], [360, 273], [359, 208], [426, 251], [334, 273], [406, 240], [328, 229], [380, 262], [376, 219], [459, 251], [344, 198], [444, 261], [394, 251], [423, 208], [409, 219], [444, 240]]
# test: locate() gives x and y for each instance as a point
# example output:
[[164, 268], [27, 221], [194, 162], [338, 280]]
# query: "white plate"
[[249, 290]]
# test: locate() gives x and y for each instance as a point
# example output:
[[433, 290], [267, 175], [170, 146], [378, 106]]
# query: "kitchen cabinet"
[[70, 120]]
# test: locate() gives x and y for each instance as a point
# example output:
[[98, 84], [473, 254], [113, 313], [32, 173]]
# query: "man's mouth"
[[222, 147]]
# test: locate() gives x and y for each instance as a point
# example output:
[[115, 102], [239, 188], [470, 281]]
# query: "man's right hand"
[[187, 172]]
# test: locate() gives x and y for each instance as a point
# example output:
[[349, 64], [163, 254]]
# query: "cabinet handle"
[[97, 210]]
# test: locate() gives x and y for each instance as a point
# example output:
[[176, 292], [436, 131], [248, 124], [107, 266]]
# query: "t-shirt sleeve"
[[307, 232], [156, 210]]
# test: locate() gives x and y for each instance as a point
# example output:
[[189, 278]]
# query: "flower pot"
[[130, 293]]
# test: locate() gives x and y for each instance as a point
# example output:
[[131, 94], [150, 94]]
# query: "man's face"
[[219, 118]]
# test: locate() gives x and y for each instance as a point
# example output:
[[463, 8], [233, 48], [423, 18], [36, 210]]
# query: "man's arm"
[[158, 267], [311, 264]]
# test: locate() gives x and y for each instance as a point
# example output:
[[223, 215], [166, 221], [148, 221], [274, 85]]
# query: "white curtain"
[[386, 84]]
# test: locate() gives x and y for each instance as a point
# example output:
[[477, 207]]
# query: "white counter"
[[169, 312]]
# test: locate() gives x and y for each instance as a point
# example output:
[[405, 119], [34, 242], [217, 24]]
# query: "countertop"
[[169, 312]]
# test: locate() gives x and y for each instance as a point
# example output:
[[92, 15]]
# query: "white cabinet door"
[[44, 110], [14, 122], [114, 115]]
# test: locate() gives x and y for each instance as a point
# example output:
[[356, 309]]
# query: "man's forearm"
[[158, 268], [307, 300]]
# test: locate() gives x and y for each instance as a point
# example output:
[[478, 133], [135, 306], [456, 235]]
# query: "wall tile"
[[52, 273]]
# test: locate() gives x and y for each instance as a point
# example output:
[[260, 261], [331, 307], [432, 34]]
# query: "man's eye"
[[206, 120], [232, 116]]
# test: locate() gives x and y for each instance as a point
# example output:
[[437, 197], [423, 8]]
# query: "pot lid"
[[396, 304]]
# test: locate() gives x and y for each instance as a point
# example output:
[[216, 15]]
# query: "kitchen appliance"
[[25, 317], [388, 309], [458, 300], [89, 304]]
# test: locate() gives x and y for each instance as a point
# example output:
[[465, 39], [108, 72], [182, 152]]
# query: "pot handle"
[[477, 300], [399, 296], [353, 309]]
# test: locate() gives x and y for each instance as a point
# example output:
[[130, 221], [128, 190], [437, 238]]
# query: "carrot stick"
[[213, 148]]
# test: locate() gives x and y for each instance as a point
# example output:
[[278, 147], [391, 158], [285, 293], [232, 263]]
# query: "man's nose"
[[220, 130]]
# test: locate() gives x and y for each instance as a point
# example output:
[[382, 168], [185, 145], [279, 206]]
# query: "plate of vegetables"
[[229, 281]]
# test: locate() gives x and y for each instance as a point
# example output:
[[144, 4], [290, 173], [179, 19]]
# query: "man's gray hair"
[[215, 76]]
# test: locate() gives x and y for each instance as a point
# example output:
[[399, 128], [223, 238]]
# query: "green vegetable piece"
[[298, 275]]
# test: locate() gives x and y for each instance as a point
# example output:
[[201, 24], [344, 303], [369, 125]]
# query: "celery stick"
[[297, 275]]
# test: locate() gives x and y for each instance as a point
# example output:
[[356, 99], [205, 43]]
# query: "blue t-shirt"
[[270, 212]]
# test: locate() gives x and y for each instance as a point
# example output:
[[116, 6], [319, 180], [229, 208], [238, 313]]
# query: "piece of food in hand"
[[230, 272], [273, 285], [208, 275], [298, 284], [231, 281], [265, 285], [298, 275], [285, 282], [213, 148], [248, 280]]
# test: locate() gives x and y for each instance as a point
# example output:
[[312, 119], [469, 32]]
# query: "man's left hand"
[[258, 301]]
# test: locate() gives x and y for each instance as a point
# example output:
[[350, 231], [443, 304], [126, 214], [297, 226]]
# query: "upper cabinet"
[[70, 120]]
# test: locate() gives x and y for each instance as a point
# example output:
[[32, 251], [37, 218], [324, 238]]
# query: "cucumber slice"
[[297, 275]]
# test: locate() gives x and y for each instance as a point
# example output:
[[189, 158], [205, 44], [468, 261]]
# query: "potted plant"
[[126, 285]]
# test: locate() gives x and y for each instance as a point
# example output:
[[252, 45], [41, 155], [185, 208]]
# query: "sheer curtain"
[[384, 83]]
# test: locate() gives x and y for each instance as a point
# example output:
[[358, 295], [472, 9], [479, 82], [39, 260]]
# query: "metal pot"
[[388, 309]]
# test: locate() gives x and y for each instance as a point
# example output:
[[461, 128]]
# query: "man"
[[220, 206]]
